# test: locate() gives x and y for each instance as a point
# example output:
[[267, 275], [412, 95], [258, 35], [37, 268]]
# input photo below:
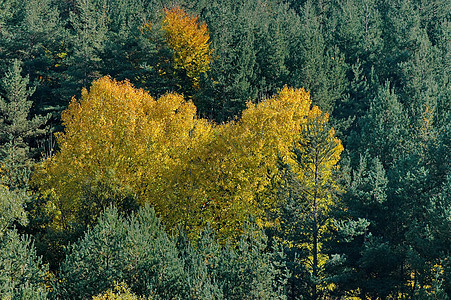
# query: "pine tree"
[[309, 191], [87, 42], [358, 32], [362, 245], [320, 68], [234, 61], [384, 130], [135, 250], [22, 275], [17, 127], [11, 208], [33, 33]]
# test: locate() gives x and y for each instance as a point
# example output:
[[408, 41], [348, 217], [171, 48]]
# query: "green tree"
[[253, 43], [309, 191], [17, 128], [234, 62], [363, 261], [11, 208], [319, 68], [358, 32], [135, 250], [33, 33], [384, 128], [22, 275], [89, 24]]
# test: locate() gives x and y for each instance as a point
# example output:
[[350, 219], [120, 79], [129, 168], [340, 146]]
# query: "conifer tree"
[[12, 204], [309, 191], [234, 62], [384, 130], [358, 32], [33, 33], [360, 235], [22, 275], [17, 127], [320, 68], [87, 41], [135, 250]]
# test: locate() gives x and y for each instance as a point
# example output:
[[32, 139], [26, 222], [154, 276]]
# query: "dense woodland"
[[222, 149]]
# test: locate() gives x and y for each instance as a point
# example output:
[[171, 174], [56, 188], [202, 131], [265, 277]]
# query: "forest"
[[223, 149]]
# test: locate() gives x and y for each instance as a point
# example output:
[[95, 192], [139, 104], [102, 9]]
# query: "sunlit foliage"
[[190, 41], [121, 144]]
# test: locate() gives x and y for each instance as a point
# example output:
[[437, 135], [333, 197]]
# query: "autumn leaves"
[[190, 42], [120, 144]]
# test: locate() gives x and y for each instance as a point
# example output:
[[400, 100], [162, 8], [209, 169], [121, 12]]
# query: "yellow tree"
[[119, 143], [190, 42], [243, 159]]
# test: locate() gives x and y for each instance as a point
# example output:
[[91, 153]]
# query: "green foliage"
[[22, 275], [308, 191], [89, 23], [320, 68], [381, 68], [251, 269], [33, 33], [11, 208], [136, 250], [253, 44], [384, 128], [17, 127]]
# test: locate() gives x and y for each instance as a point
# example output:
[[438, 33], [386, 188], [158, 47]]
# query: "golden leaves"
[[189, 40], [192, 171]]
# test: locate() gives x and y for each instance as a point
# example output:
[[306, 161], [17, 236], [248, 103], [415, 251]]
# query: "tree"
[[12, 210], [135, 250], [17, 128], [121, 144], [253, 43], [384, 130], [233, 68], [319, 68], [33, 33], [22, 275], [89, 25], [243, 159], [309, 191], [190, 42], [363, 262], [317, 159], [119, 292], [179, 53], [358, 32]]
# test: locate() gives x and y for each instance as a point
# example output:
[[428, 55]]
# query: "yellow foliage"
[[189, 40], [119, 292], [244, 158], [121, 136], [192, 171]]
